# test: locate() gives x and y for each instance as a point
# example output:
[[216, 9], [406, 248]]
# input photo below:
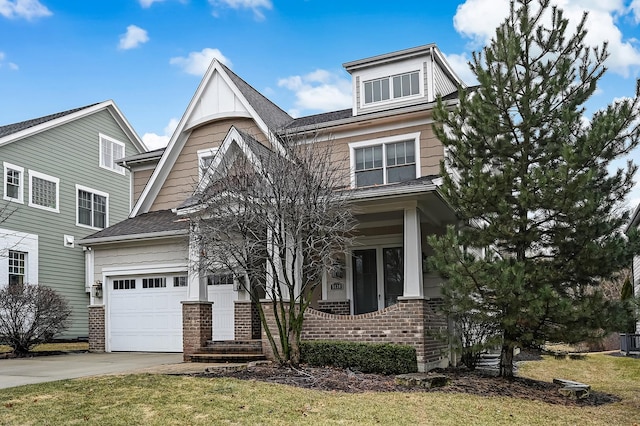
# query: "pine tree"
[[541, 215]]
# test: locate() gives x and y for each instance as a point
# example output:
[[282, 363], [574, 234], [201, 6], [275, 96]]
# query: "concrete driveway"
[[24, 371]]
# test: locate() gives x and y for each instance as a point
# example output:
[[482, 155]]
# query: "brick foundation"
[[197, 326], [96, 328], [413, 322]]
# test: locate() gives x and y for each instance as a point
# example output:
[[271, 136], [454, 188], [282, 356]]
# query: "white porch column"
[[197, 287], [412, 253]]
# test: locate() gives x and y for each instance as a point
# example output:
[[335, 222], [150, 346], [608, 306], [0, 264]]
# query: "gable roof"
[[17, 131], [234, 98]]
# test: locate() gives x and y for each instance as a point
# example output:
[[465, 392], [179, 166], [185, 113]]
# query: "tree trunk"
[[506, 360]]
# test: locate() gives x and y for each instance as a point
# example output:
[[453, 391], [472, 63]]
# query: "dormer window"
[[395, 86], [205, 159]]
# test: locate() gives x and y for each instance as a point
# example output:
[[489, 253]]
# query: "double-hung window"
[[44, 191], [17, 263], [111, 151], [389, 161], [392, 87], [92, 207], [13, 183], [205, 159]]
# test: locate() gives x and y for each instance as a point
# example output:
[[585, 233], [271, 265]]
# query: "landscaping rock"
[[422, 380], [573, 390]]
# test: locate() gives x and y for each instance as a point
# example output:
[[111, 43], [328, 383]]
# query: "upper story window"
[[392, 87], [388, 160], [111, 151], [205, 159], [44, 191], [13, 183], [92, 207], [17, 267]]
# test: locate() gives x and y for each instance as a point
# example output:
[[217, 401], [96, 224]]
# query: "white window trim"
[[19, 241], [391, 99], [383, 141], [20, 198], [96, 192], [34, 174], [202, 154], [119, 169]]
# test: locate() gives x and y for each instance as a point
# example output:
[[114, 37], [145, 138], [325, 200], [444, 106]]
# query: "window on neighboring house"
[[154, 282], [17, 263], [44, 191], [205, 158], [13, 183], [92, 207], [180, 281], [385, 163], [111, 151], [395, 86], [220, 279]]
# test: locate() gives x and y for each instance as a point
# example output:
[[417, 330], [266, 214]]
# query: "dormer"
[[403, 78]]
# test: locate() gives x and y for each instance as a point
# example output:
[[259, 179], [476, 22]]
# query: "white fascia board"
[[54, 123], [440, 60], [89, 242]]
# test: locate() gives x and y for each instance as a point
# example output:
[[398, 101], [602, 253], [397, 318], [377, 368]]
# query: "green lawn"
[[161, 400]]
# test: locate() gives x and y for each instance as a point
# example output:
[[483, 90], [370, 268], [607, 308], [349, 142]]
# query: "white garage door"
[[145, 314]]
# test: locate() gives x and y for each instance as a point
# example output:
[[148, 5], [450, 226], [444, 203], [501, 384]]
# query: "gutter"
[[132, 237]]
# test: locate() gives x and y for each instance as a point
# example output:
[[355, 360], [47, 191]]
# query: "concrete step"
[[232, 346], [228, 357]]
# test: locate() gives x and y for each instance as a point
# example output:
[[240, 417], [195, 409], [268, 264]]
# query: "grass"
[[53, 347], [166, 400]]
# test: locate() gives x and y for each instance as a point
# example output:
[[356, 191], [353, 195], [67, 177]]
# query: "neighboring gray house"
[[60, 182], [635, 267]]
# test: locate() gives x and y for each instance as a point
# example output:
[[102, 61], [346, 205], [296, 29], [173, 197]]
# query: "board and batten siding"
[[183, 176], [71, 153]]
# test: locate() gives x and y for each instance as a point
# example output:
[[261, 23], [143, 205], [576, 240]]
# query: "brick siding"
[[197, 326], [96, 328], [340, 307]]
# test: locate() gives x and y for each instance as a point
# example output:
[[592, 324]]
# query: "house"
[[60, 183], [152, 300], [635, 267]]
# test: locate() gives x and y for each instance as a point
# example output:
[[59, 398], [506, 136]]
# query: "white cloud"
[[196, 63], [134, 37], [255, 5], [601, 25], [155, 141], [320, 90], [634, 7], [26, 9], [460, 65], [12, 66], [147, 3]]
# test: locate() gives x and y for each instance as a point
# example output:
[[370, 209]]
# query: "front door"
[[365, 281], [378, 278]]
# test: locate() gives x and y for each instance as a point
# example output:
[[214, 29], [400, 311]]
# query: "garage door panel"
[[146, 319]]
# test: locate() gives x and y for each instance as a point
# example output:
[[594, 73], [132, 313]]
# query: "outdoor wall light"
[[97, 289]]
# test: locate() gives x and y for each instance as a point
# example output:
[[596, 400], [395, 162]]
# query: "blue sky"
[[149, 55]]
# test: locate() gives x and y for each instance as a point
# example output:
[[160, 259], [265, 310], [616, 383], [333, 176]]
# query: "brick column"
[[197, 326], [96, 328]]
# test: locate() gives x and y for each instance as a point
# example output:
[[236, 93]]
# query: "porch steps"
[[230, 351]]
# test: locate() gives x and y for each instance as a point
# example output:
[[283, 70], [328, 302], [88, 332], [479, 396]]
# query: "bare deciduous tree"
[[31, 314], [276, 220]]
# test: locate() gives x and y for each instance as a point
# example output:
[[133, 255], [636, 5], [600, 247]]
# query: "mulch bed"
[[460, 381]]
